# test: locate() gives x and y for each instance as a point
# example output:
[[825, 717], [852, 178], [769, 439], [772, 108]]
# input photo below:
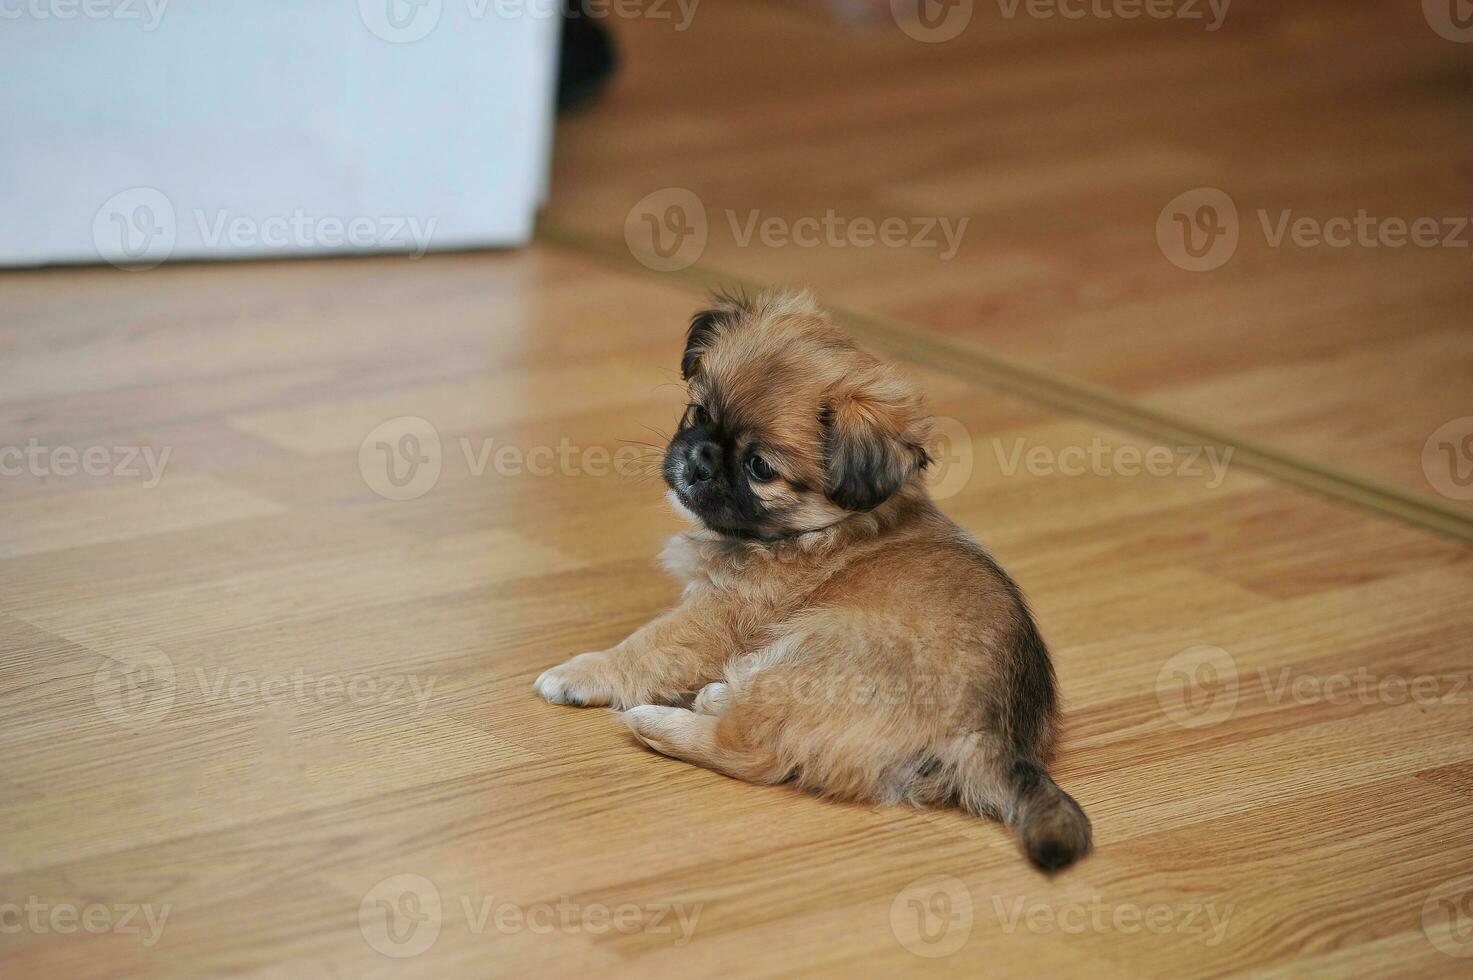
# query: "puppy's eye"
[[699, 415], [760, 469]]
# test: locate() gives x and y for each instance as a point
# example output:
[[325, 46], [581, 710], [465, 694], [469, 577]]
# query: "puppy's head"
[[789, 426]]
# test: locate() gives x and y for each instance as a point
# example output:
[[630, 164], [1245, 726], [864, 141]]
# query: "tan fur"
[[867, 655]]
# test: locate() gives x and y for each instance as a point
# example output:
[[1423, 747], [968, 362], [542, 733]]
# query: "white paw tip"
[[647, 722], [712, 699], [644, 715], [551, 687]]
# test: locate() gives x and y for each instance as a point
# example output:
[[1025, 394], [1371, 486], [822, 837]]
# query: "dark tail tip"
[[1054, 830], [1051, 854]]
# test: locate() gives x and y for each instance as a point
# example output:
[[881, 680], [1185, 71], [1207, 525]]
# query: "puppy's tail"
[[1052, 828]]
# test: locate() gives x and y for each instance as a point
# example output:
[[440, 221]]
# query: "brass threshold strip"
[[912, 343]]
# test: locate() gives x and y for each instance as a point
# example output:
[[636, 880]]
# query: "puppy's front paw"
[[580, 682]]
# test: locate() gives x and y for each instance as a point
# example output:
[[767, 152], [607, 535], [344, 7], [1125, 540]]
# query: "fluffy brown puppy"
[[836, 629]]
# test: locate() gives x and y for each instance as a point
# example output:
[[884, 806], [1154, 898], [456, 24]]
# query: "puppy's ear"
[[874, 440], [725, 312], [704, 327]]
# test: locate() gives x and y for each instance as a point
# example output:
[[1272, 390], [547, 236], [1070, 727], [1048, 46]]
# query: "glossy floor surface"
[[253, 676]]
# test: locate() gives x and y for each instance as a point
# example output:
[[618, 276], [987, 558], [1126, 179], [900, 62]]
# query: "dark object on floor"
[[588, 58]]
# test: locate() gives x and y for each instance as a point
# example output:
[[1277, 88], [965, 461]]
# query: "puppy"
[[835, 629]]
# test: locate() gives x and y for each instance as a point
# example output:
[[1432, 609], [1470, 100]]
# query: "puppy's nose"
[[700, 462]]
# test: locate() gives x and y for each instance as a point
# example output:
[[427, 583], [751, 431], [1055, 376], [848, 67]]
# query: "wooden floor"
[[252, 691], [260, 717]]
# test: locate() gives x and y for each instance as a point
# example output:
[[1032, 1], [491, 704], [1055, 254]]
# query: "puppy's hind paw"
[[713, 699], [655, 724]]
